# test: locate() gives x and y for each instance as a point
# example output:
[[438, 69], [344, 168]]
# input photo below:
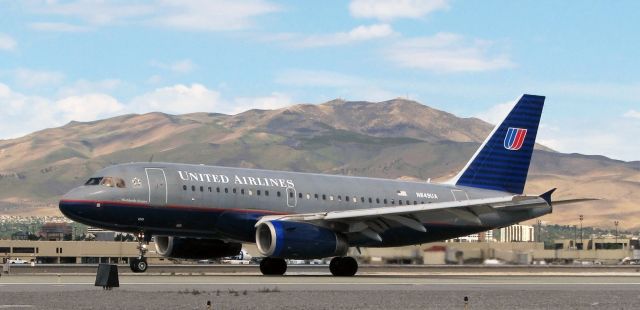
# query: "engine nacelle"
[[285, 239], [194, 248]]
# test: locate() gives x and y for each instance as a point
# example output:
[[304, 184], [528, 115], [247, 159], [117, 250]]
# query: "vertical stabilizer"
[[502, 161]]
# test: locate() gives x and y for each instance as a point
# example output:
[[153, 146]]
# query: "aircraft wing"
[[373, 221]]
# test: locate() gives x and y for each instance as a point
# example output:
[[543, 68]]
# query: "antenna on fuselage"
[[151, 158]]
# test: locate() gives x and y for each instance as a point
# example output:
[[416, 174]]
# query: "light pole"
[[616, 222], [539, 230], [581, 242]]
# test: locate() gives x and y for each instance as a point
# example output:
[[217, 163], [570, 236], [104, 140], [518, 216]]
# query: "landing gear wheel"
[[273, 266], [138, 265], [343, 266]]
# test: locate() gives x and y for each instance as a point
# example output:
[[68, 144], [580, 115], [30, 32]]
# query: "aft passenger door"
[[157, 180]]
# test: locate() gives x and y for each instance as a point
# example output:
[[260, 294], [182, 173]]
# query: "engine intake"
[[194, 248], [285, 239]]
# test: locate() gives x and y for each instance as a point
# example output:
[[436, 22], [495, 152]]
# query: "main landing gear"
[[273, 266], [139, 264], [343, 266], [340, 266]]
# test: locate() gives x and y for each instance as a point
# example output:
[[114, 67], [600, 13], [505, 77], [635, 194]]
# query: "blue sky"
[[86, 60]]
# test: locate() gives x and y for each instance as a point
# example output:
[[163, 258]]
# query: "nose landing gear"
[[139, 264]]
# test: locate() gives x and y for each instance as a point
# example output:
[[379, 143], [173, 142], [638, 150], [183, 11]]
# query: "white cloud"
[[632, 114], [83, 87], [24, 114], [358, 34], [607, 137], [345, 86], [180, 66], [205, 15], [447, 53], [178, 99], [37, 78], [496, 113], [58, 27], [274, 101], [7, 43], [198, 15], [88, 107], [388, 10]]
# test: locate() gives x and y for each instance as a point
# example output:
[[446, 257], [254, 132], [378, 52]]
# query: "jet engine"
[[195, 248], [283, 239]]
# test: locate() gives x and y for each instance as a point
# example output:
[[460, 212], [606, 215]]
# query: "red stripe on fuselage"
[[207, 209]]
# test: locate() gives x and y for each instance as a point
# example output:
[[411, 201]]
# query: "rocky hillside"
[[391, 139]]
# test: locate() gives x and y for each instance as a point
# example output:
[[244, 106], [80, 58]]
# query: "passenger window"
[[278, 193], [291, 195], [226, 190], [299, 195], [308, 196], [250, 193], [202, 188], [415, 202], [370, 200], [346, 198], [242, 191], [331, 197], [266, 193], [209, 189], [315, 196], [184, 187], [377, 200], [385, 201], [393, 201], [258, 192], [399, 202], [340, 198], [408, 202], [234, 190], [193, 188], [324, 197], [355, 199], [217, 189]]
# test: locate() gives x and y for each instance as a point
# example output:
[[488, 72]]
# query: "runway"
[[322, 291]]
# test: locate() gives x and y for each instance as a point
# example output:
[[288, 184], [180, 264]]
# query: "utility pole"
[[539, 230], [581, 242]]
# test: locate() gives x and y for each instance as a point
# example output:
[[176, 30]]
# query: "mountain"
[[391, 139]]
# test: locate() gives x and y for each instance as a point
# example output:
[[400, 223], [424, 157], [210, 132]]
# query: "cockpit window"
[[113, 182], [93, 181]]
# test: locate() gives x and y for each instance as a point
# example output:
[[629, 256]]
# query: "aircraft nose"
[[75, 203]]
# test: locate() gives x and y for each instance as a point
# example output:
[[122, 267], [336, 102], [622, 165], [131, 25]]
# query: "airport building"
[[517, 233]]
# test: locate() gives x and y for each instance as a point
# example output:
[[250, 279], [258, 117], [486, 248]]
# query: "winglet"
[[547, 196]]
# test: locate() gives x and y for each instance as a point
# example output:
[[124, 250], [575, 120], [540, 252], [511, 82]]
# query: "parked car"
[[18, 261]]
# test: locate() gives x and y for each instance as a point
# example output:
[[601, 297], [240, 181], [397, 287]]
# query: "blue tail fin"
[[502, 162]]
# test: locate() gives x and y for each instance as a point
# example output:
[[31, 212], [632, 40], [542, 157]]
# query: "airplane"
[[205, 212]]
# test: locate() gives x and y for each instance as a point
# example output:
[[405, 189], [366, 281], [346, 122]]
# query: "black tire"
[[333, 266], [133, 264], [265, 266], [273, 266], [343, 266], [142, 265]]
